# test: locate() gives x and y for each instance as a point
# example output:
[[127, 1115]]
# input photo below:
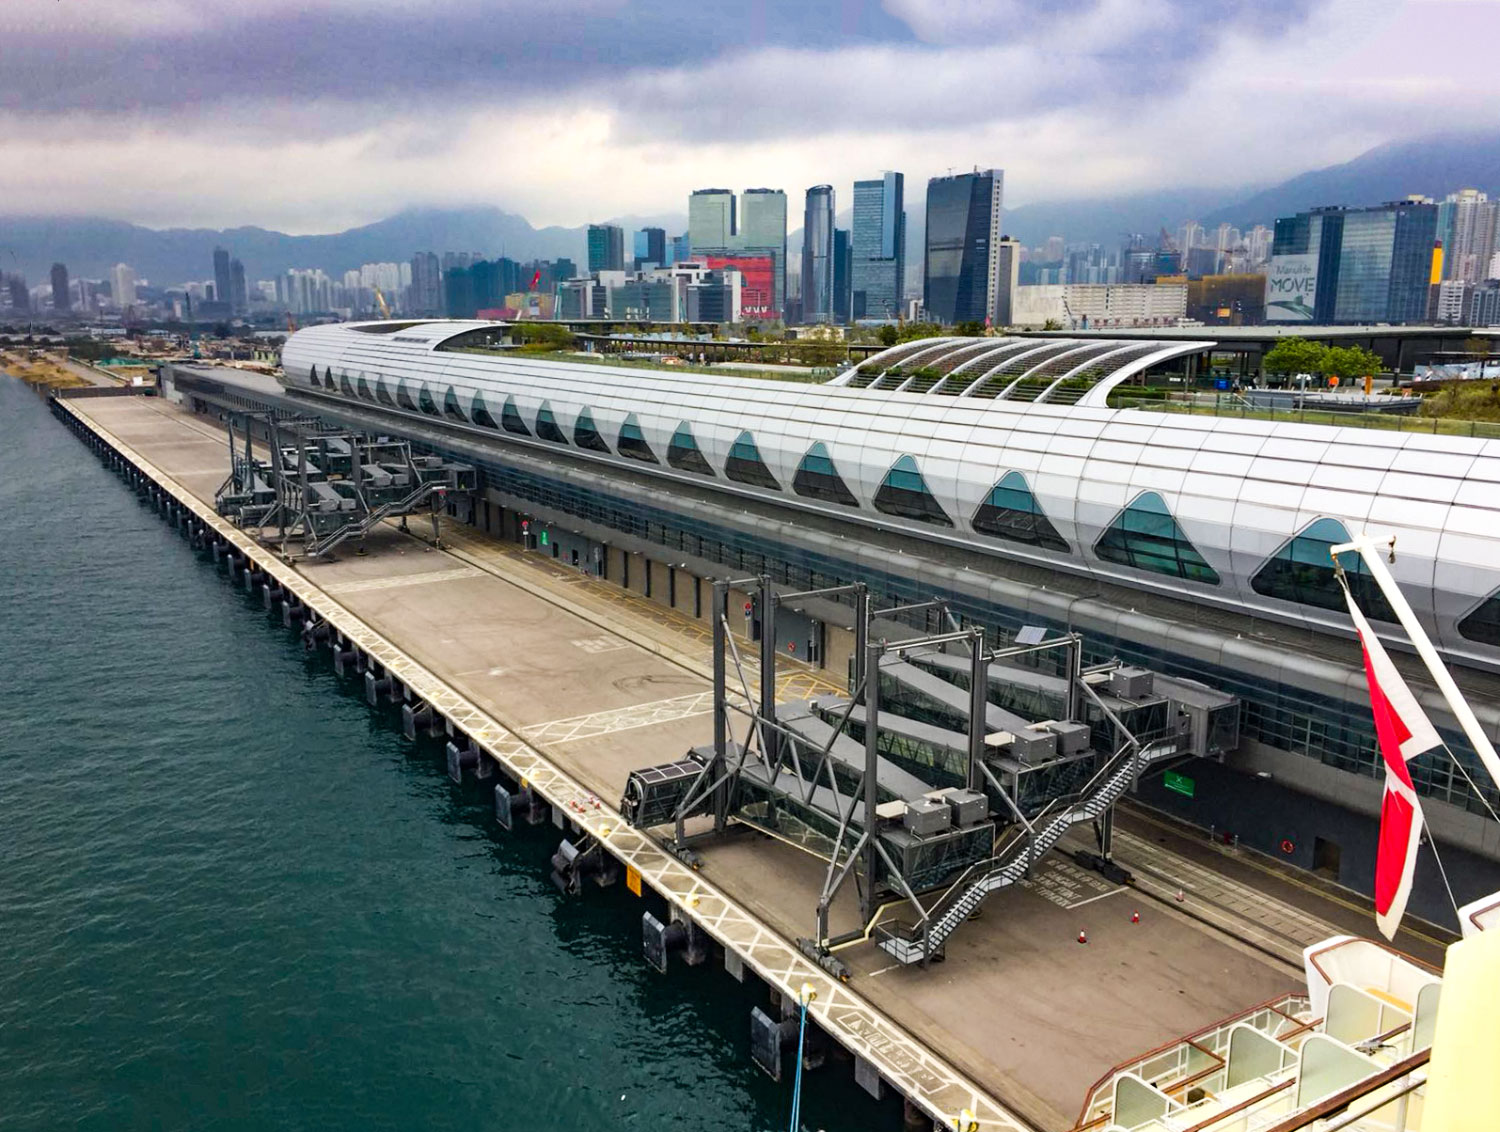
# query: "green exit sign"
[[1180, 783], [544, 538]]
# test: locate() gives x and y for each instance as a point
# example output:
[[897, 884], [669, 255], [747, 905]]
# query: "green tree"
[[1295, 355], [888, 335], [971, 329], [911, 331], [1348, 363]]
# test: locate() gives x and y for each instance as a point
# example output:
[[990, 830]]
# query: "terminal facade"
[[990, 473]]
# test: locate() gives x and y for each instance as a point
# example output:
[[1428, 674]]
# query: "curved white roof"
[[1236, 490]]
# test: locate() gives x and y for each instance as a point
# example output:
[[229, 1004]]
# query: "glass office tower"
[[817, 255], [963, 233], [878, 247]]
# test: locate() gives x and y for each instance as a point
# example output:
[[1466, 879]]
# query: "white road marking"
[[404, 580]]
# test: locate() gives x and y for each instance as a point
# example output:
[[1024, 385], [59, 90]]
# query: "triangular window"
[[424, 398], [403, 396], [817, 478], [1302, 572], [1011, 512], [313, 377], [745, 465], [632, 442], [481, 412], [1144, 536], [684, 455], [344, 386], [451, 408], [585, 435], [510, 418], [364, 389], [546, 425], [383, 392], [1483, 625], [904, 493]]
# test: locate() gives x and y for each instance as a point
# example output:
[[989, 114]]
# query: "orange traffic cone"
[[1135, 917], [1083, 936]]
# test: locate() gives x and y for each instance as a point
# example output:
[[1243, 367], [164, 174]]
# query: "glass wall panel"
[[817, 478], [451, 408], [904, 493], [1012, 513], [1483, 625], [1144, 536], [585, 435], [510, 418], [1302, 572], [546, 425], [632, 442], [744, 464], [683, 452], [482, 412]]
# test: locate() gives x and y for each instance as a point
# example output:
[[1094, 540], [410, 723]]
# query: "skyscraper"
[[122, 285], [606, 248], [711, 219], [221, 275], [959, 268], [239, 294], [817, 255], [60, 299], [762, 231], [1007, 278], [651, 247], [841, 273], [878, 247]]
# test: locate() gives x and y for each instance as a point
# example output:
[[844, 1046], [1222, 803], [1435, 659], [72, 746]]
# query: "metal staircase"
[[914, 944]]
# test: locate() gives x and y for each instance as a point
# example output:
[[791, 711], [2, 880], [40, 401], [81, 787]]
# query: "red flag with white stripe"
[[1404, 732]]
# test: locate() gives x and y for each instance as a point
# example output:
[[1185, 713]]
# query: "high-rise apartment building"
[[606, 247], [1469, 227], [817, 255], [960, 265], [60, 299], [878, 247], [426, 284], [122, 285], [1353, 266], [221, 275]]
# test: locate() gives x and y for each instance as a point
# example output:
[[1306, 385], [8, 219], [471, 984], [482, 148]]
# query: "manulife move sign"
[[1292, 288]]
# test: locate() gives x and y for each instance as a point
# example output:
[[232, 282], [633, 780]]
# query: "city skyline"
[[1214, 95]]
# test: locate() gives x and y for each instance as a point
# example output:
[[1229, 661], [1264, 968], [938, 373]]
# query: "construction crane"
[[385, 311], [291, 323]]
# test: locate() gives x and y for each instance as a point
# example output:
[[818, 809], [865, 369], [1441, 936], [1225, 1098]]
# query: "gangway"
[[919, 943], [321, 486]]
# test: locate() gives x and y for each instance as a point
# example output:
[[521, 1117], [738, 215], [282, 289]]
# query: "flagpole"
[[1375, 564]]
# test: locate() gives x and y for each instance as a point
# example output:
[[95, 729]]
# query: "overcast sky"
[[315, 115]]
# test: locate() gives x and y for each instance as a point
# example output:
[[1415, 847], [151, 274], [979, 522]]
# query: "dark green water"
[[232, 897]]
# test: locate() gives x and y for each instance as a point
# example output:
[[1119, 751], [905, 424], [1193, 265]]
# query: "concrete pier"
[[543, 682]]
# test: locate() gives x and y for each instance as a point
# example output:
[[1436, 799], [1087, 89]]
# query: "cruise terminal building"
[[992, 473]]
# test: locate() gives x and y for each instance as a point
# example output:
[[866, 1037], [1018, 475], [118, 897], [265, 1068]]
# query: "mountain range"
[[90, 246]]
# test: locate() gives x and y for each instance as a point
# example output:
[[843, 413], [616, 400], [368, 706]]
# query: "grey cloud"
[[458, 49]]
